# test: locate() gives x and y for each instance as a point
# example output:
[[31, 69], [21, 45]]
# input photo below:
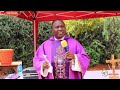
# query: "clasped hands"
[[68, 55]]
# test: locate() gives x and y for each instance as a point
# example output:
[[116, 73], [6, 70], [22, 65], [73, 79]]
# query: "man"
[[52, 61]]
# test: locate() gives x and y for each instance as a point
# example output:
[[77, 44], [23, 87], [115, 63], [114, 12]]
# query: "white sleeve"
[[75, 64], [45, 72]]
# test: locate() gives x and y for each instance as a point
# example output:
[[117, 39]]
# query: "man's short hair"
[[57, 20]]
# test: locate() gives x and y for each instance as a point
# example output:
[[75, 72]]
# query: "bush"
[[17, 33]]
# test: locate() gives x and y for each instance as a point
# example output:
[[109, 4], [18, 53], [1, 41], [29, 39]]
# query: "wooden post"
[[119, 56], [119, 62], [113, 62]]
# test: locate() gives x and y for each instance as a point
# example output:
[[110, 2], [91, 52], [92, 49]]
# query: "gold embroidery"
[[59, 50], [60, 63]]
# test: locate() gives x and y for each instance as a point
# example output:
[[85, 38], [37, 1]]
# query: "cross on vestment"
[[113, 62]]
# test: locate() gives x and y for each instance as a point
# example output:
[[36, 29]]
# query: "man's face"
[[59, 29]]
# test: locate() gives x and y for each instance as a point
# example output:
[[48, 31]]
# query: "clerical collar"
[[60, 38]]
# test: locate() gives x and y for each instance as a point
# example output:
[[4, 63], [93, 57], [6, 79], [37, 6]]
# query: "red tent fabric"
[[38, 16], [64, 15]]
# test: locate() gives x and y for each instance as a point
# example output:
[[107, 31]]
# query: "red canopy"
[[38, 16], [64, 15]]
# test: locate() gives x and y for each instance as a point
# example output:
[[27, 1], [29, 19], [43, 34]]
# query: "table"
[[9, 69]]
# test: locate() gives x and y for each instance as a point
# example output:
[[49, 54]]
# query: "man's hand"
[[69, 55], [45, 65]]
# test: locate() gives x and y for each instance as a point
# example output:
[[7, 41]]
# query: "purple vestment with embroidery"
[[55, 54], [58, 61]]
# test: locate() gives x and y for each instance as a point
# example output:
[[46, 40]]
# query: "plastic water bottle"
[[20, 71]]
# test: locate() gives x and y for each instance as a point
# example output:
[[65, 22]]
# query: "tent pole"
[[35, 34]]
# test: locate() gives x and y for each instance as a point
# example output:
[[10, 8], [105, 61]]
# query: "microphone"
[[64, 45]]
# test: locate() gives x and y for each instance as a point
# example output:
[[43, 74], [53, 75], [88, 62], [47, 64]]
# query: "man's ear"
[[52, 32]]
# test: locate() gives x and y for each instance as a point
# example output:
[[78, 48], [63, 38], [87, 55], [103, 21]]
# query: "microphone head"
[[64, 43]]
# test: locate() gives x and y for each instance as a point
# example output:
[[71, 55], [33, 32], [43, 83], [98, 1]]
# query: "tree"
[[76, 27]]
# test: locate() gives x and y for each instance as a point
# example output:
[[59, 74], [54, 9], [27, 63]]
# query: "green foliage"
[[76, 27], [91, 40], [44, 32], [100, 37], [111, 34], [95, 52], [16, 33]]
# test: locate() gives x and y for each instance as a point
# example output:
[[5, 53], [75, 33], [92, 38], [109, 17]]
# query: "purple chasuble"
[[55, 54]]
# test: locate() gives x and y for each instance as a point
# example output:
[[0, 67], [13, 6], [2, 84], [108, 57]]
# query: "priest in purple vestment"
[[53, 61]]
